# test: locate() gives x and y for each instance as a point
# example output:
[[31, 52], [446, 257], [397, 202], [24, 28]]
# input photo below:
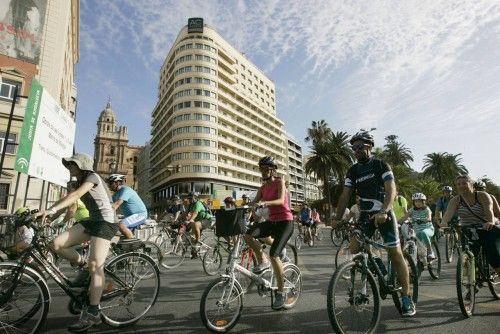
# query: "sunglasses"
[[358, 147]]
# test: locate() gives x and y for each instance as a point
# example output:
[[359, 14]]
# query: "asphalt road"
[[177, 308]]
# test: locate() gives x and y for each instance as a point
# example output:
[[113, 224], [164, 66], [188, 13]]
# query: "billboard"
[[195, 24], [21, 27], [47, 136]]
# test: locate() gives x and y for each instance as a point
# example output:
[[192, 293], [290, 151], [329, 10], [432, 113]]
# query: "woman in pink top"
[[272, 194]]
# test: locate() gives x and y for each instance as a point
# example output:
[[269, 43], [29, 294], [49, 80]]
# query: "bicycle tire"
[[212, 261], [291, 249], [336, 292], [336, 235], [449, 247], [413, 281], [434, 268], [299, 240], [32, 290], [235, 293], [174, 252], [154, 251], [343, 253], [319, 233], [121, 293], [494, 283], [292, 283], [466, 291]]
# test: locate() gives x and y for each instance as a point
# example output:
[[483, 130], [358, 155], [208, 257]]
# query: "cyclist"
[[178, 208], [374, 182], [99, 229], [131, 205], [400, 206], [479, 185], [421, 215], [306, 221], [199, 218], [476, 207], [316, 219], [442, 204], [273, 195]]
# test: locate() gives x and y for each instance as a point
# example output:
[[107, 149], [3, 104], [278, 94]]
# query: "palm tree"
[[443, 167], [318, 132], [396, 153], [330, 160]]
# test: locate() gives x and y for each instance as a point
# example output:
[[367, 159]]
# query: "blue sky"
[[427, 71]]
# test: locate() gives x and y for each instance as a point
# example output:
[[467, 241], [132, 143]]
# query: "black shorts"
[[388, 230], [490, 240], [100, 229], [307, 223], [280, 231]]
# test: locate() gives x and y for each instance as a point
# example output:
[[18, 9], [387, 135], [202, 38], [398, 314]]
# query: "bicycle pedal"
[[394, 289]]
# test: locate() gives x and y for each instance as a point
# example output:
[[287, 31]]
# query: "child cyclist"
[[421, 216]]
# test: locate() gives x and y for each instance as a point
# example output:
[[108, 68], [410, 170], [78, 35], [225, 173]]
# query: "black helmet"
[[268, 161], [479, 185], [363, 136]]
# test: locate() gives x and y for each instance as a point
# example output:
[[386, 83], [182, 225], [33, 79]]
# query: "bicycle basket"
[[8, 228], [229, 223]]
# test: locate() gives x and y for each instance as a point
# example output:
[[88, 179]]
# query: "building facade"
[[47, 50], [214, 119], [313, 185], [143, 175], [112, 153], [295, 170]]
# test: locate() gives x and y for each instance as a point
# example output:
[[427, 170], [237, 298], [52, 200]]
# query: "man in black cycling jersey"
[[373, 181]]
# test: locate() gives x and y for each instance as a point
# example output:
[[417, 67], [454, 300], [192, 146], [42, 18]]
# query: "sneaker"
[[279, 300], [86, 321], [81, 279], [261, 267], [431, 257], [284, 259], [407, 306]]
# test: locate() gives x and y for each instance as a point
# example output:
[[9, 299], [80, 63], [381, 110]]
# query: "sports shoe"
[[261, 267], [86, 321], [279, 300], [407, 306], [81, 279], [431, 257], [285, 259]]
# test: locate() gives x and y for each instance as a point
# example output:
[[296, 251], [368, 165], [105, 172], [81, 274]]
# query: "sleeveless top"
[[277, 213], [466, 217]]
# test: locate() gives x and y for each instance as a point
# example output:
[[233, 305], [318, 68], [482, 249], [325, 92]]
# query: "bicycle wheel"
[[434, 267], [466, 292], [221, 305], [174, 251], [343, 253], [248, 261], [337, 236], [292, 284], [26, 309], [353, 304], [494, 283], [129, 290], [292, 253], [413, 281], [299, 240], [320, 233], [449, 247], [212, 261]]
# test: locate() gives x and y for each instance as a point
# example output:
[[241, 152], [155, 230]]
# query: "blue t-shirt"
[[132, 203], [305, 214]]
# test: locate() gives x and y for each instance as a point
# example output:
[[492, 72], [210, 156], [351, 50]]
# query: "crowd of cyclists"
[[370, 181]]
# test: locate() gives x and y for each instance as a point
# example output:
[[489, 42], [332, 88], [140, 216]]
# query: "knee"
[[94, 267]]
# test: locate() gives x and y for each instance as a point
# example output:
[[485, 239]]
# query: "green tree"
[[396, 153], [443, 167], [318, 132]]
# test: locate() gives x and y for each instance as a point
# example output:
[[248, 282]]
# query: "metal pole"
[[47, 196], [7, 133], [15, 192], [26, 191], [41, 196]]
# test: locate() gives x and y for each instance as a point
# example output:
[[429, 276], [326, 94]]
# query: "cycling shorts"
[[388, 230], [100, 229], [307, 223], [135, 220], [281, 231]]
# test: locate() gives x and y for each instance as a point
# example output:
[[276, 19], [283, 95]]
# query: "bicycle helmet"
[[447, 189], [116, 178], [192, 194], [268, 161], [229, 199], [417, 196], [479, 185], [22, 211], [176, 198], [364, 136]]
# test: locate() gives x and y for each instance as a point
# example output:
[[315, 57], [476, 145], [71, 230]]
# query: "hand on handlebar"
[[489, 225]]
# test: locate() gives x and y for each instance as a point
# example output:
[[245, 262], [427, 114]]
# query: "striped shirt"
[[466, 216]]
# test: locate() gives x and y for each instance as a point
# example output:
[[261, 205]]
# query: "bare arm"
[[390, 191], [116, 204], [72, 197], [487, 204], [342, 203], [70, 213], [496, 207], [450, 211]]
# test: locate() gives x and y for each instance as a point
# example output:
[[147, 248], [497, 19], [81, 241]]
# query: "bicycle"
[[353, 291], [25, 295], [473, 270], [221, 304], [451, 241], [417, 250], [303, 236]]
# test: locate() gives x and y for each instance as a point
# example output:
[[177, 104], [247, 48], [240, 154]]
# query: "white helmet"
[[116, 177], [417, 196]]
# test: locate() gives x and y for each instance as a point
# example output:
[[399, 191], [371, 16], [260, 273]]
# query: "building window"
[[4, 195], [11, 144], [202, 188], [7, 89]]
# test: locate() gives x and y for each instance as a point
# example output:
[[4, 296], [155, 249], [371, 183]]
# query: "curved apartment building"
[[215, 117]]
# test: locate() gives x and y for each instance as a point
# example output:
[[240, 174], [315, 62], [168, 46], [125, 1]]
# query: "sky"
[[426, 71]]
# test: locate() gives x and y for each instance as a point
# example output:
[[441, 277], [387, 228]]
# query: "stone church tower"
[[112, 154]]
